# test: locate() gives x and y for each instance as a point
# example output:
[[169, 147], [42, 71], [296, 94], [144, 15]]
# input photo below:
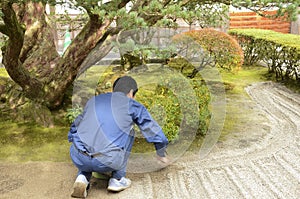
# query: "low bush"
[[180, 106], [280, 52], [222, 49], [183, 66], [72, 113]]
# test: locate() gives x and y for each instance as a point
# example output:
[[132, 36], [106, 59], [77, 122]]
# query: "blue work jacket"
[[106, 126]]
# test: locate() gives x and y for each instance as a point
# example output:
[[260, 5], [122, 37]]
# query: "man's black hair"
[[125, 84]]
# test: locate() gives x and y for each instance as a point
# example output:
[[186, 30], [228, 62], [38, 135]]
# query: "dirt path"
[[261, 159]]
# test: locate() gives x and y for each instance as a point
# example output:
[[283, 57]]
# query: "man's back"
[[106, 122]]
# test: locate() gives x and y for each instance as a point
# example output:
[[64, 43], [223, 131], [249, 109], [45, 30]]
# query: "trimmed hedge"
[[280, 52]]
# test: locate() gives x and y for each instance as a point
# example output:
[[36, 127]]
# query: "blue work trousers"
[[86, 164]]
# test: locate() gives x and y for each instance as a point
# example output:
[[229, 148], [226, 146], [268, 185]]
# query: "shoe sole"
[[116, 189], [79, 190]]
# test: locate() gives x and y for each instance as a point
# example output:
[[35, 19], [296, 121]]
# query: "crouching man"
[[102, 136]]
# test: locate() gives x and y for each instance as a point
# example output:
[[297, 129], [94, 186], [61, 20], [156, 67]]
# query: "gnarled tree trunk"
[[31, 59]]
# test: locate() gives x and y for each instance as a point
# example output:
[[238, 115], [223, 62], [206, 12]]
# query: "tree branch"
[[11, 59], [14, 30], [3, 29], [34, 20]]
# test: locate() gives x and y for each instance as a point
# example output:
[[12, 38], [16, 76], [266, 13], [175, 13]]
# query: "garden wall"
[[252, 20]]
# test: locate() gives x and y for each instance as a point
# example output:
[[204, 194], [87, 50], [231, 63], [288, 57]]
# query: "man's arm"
[[149, 128], [73, 128]]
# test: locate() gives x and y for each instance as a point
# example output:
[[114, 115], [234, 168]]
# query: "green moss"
[[235, 83], [3, 72], [239, 81], [30, 142]]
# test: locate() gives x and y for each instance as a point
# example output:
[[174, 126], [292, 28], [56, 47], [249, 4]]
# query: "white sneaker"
[[118, 185], [80, 187]]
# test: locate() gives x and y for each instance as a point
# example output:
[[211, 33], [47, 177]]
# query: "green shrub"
[[72, 113], [223, 50], [280, 52], [183, 66], [180, 106], [165, 110]]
